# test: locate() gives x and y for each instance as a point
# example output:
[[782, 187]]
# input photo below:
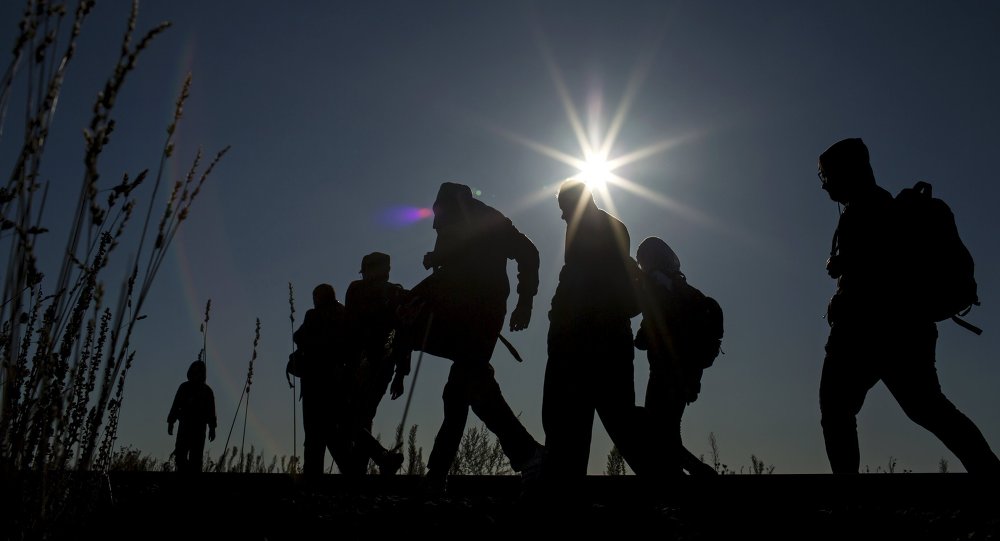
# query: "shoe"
[[700, 469], [531, 470], [391, 464], [434, 485]]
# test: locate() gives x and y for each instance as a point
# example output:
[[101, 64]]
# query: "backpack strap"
[[966, 325]]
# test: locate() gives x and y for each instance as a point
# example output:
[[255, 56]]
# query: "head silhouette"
[[655, 255], [574, 197], [197, 372], [324, 296], [375, 266], [452, 204], [845, 170]]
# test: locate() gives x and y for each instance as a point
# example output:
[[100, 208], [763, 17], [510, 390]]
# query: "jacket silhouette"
[[464, 304]]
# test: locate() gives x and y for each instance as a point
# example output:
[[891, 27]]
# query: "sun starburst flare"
[[594, 162]]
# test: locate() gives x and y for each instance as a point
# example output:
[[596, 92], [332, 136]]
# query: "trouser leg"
[[567, 418], [489, 405], [449, 436], [848, 374], [913, 380]]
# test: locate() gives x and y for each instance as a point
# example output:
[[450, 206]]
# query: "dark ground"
[[274, 506]]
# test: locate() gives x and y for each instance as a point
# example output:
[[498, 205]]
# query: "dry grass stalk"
[[65, 355]]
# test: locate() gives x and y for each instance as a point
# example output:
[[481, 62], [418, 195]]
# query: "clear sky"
[[340, 113]]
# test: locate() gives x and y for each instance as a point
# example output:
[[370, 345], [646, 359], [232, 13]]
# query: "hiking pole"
[[413, 383]]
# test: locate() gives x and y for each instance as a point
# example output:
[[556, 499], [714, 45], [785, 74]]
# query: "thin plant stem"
[[295, 423]]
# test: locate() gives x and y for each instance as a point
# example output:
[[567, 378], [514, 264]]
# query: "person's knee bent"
[[932, 411]]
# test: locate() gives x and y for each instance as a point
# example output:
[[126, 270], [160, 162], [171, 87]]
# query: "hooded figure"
[[474, 242], [464, 305], [669, 308], [194, 409], [873, 336]]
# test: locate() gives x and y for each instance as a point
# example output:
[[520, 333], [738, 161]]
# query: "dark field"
[[274, 506]]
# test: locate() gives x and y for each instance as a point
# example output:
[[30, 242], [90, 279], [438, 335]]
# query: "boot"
[[390, 462]]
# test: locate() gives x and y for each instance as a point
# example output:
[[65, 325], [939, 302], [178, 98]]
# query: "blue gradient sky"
[[338, 112]]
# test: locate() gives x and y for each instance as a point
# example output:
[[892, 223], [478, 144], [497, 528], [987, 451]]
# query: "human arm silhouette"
[[523, 251], [396, 388], [212, 421], [175, 411]]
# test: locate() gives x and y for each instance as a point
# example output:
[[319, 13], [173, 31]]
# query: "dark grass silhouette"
[[274, 506]]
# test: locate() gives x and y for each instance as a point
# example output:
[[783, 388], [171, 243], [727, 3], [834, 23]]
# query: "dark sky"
[[342, 113]]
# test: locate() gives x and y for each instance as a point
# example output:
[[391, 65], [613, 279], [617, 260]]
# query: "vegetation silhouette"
[[65, 341]]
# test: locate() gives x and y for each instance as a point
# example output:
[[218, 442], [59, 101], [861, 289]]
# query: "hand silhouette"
[[520, 317], [396, 389]]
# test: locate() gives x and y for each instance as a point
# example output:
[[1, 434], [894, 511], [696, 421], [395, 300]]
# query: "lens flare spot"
[[403, 216]]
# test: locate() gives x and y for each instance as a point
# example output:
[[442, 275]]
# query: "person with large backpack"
[[463, 308], [880, 329], [681, 332]]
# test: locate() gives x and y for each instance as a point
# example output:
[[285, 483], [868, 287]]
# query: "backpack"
[[706, 326], [935, 257]]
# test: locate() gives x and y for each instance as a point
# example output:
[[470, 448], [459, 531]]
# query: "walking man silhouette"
[[328, 369], [465, 306], [874, 335], [372, 304], [590, 349]]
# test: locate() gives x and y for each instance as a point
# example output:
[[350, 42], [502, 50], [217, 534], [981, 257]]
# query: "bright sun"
[[596, 172]]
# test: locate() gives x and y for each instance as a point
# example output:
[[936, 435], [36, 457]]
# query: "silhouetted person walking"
[[590, 349], [372, 304], [466, 303], [194, 410], [328, 368], [874, 334], [675, 346]]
